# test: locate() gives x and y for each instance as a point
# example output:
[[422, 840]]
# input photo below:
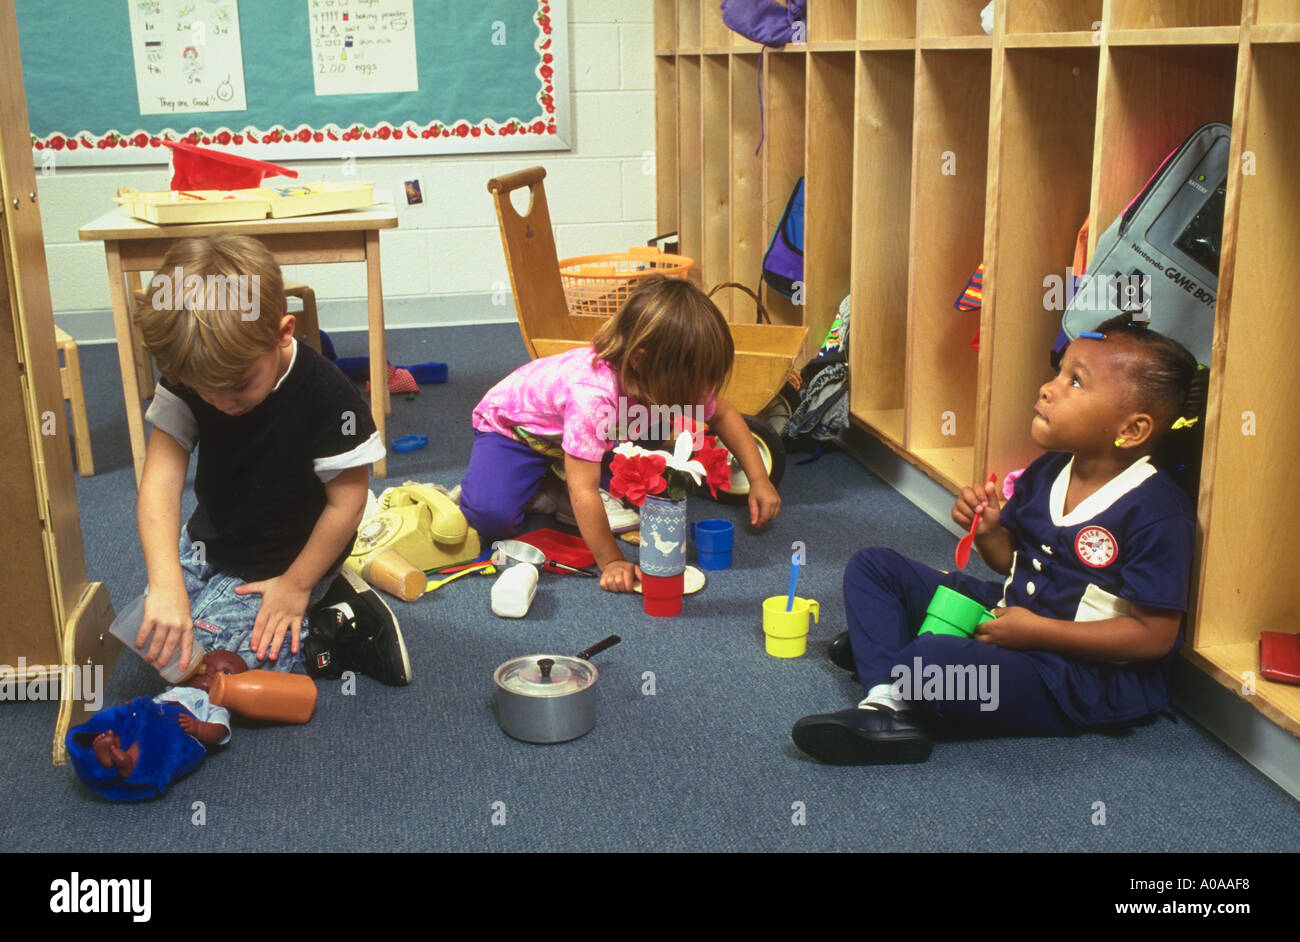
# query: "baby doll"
[[135, 751]]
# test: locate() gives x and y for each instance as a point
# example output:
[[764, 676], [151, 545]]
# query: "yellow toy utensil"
[[486, 569]]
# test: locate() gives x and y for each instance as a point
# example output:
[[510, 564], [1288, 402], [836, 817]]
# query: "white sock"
[[881, 696]]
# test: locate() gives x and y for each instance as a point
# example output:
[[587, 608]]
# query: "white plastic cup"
[[127, 625]]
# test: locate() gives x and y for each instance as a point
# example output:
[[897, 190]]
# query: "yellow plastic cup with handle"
[[786, 633]]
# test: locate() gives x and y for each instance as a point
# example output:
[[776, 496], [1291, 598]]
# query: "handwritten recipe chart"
[[360, 46], [187, 55]]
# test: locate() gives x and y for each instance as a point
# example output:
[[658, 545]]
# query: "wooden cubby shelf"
[[928, 146]]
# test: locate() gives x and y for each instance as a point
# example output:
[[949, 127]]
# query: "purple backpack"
[[767, 21]]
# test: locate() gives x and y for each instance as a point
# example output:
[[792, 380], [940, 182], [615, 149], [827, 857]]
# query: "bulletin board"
[[293, 79]]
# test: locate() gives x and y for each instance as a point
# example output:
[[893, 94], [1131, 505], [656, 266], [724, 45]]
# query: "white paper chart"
[[188, 56], [362, 46]]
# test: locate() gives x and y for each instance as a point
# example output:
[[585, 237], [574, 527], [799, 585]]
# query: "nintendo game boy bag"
[[1159, 261]]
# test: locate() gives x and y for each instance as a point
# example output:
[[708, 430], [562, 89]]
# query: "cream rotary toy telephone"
[[413, 528]]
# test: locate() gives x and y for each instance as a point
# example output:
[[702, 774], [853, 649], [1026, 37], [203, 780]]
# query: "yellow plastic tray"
[[187, 206], [309, 199]]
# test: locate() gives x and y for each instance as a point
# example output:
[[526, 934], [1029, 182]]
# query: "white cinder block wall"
[[444, 262]]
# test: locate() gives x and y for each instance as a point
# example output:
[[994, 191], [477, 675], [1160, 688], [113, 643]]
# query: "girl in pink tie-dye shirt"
[[667, 350]]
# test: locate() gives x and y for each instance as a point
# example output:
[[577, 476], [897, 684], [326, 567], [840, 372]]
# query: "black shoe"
[[841, 652], [861, 737], [354, 629]]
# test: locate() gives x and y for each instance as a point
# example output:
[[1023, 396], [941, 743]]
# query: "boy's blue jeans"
[[223, 620]]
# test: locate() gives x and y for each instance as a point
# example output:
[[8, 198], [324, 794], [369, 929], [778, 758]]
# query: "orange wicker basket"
[[599, 284]]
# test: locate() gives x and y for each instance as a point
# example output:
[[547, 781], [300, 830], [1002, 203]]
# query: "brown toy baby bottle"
[[266, 695]]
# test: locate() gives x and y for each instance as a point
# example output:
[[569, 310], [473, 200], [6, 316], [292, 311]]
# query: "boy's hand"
[[764, 502], [972, 501], [284, 605], [167, 619], [619, 576], [1015, 628]]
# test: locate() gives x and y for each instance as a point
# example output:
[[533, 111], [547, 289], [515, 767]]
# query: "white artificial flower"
[[629, 450], [680, 459]]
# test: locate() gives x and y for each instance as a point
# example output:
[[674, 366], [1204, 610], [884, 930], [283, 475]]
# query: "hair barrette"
[[1186, 423]]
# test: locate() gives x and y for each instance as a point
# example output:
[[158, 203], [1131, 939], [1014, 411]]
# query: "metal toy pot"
[[548, 698]]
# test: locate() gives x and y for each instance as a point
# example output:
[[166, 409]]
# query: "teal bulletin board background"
[[474, 94]]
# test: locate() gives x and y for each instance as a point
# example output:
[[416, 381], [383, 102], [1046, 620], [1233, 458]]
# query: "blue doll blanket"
[[167, 752]]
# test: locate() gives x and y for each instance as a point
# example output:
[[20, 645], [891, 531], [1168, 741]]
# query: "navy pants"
[[885, 598]]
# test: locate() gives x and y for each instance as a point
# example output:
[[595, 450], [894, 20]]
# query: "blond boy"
[[284, 447]]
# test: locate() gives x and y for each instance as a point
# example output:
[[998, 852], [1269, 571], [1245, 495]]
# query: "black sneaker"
[[352, 628]]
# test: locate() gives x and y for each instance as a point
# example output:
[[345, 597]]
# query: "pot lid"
[[545, 675]]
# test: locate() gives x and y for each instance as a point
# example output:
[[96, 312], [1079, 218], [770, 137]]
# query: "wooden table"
[[133, 246]]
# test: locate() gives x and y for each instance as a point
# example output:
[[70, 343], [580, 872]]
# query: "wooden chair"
[[75, 393]]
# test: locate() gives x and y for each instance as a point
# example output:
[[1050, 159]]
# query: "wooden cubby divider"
[[1062, 113], [949, 183], [784, 81], [1248, 582], [828, 207], [715, 133], [748, 238]]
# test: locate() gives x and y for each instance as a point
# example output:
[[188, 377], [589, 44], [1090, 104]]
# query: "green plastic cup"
[[951, 613]]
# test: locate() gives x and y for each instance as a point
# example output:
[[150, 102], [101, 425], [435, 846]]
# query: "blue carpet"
[[705, 763]]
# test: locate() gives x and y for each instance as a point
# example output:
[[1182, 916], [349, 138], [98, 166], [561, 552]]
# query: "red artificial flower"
[[717, 465], [637, 476]]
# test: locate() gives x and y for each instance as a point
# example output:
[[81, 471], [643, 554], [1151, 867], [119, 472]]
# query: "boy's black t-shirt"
[[260, 476]]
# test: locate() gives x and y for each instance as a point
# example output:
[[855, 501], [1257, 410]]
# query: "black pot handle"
[[598, 647]]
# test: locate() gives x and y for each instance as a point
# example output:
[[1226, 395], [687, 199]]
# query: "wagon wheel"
[[770, 450]]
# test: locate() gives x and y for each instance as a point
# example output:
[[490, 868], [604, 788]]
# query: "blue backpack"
[[783, 263]]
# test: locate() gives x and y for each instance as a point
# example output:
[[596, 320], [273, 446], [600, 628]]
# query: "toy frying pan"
[[509, 552]]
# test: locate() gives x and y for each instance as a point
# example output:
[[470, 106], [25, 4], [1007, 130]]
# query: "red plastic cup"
[[662, 595]]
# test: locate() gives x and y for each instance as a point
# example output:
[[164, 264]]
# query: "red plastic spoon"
[[967, 541]]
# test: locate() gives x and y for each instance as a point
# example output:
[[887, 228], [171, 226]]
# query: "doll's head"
[[216, 662], [669, 343]]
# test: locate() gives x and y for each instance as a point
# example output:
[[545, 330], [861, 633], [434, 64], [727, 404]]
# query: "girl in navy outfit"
[[1096, 544]]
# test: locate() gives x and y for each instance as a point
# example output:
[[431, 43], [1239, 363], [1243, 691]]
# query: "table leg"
[[379, 399], [143, 365], [126, 357]]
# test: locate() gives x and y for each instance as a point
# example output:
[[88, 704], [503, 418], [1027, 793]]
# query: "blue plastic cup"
[[713, 542]]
